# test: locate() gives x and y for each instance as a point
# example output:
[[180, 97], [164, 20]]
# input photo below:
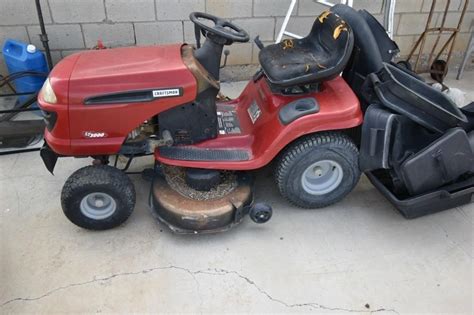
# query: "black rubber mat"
[[194, 154]]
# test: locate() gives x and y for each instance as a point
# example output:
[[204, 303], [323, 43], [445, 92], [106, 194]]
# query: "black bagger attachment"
[[419, 171], [417, 146]]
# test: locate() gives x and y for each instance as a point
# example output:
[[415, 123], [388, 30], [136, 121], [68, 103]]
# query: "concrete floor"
[[357, 256]]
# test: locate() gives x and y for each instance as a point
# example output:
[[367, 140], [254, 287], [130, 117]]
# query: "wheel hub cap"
[[322, 177], [98, 206]]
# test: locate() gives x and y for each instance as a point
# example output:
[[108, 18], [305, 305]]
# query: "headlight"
[[48, 93]]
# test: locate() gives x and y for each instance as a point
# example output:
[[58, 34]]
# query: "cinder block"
[[468, 22], [470, 6], [240, 54], [112, 35], [271, 7], [405, 43], [412, 24], [21, 12], [430, 42], [3, 66], [65, 53], [127, 11], [310, 8], [265, 27], [189, 33], [408, 5], [461, 42], [372, 6], [67, 11], [229, 8], [159, 33], [297, 25], [441, 5], [452, 20], [55, 56], [189, 36], [256, 51], [60, 36], [178, 9], [13, 32]]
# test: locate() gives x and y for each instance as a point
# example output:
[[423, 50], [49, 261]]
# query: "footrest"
[[196, 154]]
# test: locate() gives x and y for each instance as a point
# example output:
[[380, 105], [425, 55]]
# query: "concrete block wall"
[[75, 25]]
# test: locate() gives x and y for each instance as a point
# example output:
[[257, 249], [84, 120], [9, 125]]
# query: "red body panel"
[[94, 73], [339, 109], [99, 72], [59, 137]]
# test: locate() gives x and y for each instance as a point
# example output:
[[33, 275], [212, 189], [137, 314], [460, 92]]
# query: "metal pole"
[[285, 21], [44, 36], [389, 12]]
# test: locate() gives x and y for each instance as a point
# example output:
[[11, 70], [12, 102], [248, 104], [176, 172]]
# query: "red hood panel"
[[126, 69]]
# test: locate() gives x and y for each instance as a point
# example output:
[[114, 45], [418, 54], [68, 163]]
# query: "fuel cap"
[[31, 49]]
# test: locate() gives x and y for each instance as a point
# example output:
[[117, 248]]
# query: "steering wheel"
[[222, 28]]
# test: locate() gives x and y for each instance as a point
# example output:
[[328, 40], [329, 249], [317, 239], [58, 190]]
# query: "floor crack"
[[193, 274]]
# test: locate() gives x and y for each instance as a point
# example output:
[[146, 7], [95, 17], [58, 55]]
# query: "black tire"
[[299, 157], [261, 213], [405, 64], [439, 70], [98, 179]]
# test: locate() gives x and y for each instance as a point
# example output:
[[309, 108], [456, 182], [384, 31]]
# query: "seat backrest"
[[332, 32], [369, 57], [320, 56]]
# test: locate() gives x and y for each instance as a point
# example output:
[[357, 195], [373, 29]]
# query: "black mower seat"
[[320, 56]]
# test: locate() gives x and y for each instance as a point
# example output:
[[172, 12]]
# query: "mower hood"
[[119, 70]]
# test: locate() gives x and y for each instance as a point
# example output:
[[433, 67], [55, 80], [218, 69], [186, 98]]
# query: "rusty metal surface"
[[438, 31], [203, 78], [176, 178], [186, 215]]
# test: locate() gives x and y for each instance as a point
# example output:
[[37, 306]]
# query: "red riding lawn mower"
[[297, 111]]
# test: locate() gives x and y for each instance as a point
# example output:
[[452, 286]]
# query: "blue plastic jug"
[[21, 57]]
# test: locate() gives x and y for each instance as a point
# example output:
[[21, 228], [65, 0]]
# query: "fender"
[[264, 137]]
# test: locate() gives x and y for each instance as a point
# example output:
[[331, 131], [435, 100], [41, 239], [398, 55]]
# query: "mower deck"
[[187, 211]]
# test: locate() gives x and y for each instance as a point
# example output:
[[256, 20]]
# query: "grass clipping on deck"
[[175, 177]]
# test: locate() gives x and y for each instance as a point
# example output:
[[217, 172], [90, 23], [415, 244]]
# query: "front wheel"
[[98, 197], [318, 170]]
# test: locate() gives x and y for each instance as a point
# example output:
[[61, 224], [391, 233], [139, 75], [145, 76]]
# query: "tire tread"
[[302, 145], [100, 175]]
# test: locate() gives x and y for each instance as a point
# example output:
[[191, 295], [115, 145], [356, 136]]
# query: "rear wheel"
[[318, 170], [98, 197]]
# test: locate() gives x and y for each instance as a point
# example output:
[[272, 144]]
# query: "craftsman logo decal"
[[94, 135], [254, 112], [166, 93]]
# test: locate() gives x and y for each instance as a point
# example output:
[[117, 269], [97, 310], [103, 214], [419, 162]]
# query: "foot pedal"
[[195, 154]]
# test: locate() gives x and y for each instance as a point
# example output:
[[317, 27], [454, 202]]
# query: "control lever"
[[258, 42], [226, 54]]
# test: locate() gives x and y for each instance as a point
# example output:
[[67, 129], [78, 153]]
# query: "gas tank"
[[122, 70]]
